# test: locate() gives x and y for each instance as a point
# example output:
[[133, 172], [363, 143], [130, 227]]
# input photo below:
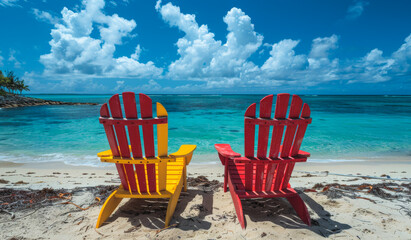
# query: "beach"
[[206, 212], [356, 184]]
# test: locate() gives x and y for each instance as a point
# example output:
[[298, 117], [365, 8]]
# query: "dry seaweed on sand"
[[387, 191], [202, 181], [16, 199]]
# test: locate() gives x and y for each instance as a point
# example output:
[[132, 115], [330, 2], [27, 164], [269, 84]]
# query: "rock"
[[12, 101]]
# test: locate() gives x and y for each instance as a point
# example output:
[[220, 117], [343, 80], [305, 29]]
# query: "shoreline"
[[14, 101], [199, 159], [33, 173]]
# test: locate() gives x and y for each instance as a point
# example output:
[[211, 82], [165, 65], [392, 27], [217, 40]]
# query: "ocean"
[[344, 128]]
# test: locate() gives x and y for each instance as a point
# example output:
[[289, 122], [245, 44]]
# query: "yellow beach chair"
[[148, 176]]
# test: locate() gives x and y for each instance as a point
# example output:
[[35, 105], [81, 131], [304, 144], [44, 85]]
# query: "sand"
[[204, 213]]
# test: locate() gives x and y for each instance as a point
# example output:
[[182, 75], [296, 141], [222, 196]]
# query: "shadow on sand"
[[151, 213], [280, 212]]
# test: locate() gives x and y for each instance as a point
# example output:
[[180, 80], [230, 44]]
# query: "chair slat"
[[301, 131], [113, 145], [295, 109], [249, 135], [115, 108], [162, 147], [280, 113], [296, 146], [249, 132], [281, 106], [130, 109], [286, 169], [146, 107], [266, 105]]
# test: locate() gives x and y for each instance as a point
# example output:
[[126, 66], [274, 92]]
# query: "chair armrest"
[[106, 153], [226, 151], [143, 160], [303, 154], [185, 151], [267, 161]]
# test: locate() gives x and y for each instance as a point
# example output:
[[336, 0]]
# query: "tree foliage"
[[11, 83]]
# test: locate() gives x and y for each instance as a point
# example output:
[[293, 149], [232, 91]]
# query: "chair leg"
[[300, 207], [185, 178], [225, 176], [172, 203], [237, 204], [109, 206]]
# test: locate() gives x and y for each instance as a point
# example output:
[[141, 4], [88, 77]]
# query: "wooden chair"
[[262, 176], [148, 176]]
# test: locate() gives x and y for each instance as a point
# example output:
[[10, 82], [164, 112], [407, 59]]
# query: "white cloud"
[[321, 47], [282, 59], [204, 58], [13, 59], [9, 3], [119, 86], [403, 56], [196, 48], [137, 52], [356, 9], [150, 86], [44, 16], [75, 52], [242, 41], [374, 67]]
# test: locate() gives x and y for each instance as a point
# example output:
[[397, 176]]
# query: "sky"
[[207, 47]]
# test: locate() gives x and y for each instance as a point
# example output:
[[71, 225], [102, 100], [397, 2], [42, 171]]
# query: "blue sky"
[[309, 47]]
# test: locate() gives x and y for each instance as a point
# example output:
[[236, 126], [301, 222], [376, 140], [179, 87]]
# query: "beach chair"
[[148, 176], [259, 176]]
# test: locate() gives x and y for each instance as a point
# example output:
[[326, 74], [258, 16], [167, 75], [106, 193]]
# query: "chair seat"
[[271, 194], [174, 174], [236, 173]]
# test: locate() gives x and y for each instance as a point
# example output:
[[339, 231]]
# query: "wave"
[[69, 159], [333, 160]]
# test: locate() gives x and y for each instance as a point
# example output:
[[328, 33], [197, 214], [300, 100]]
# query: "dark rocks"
[[12, 101]]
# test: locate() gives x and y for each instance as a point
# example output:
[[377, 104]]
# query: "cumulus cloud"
[[375, 67], [228, 64], [201, 56], [403, 57], [356, 9], [74, 51], [196, 48], [204, 58], [212, 63], [283, 60]]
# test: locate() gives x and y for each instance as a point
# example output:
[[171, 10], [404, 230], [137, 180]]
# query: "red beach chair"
[[261, 176]]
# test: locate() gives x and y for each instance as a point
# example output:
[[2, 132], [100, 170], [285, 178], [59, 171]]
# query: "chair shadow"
[[280, 212], [151, 213]]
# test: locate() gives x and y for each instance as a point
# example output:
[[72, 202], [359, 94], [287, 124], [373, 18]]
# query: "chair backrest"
[[275, 176], [124, 140]]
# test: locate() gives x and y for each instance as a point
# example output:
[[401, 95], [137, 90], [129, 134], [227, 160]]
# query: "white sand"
[[209, 215]]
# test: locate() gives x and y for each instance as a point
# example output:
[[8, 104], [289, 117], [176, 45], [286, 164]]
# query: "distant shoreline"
[[13, 101]]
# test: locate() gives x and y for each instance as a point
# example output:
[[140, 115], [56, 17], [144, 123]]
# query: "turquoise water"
[[343, 127]]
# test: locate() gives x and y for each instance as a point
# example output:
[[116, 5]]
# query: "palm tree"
[[2, 82], [12, 83], [20, 86]]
